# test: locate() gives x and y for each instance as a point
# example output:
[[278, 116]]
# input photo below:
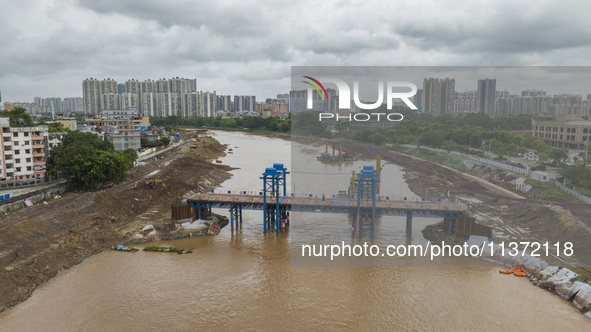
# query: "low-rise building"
[[565, 131], [540, 176], [124, 139], [122, 114], [68, 123]]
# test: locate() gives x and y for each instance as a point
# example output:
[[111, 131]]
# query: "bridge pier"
[[409, 224], [203, 212], [449, 224], [236, 214]]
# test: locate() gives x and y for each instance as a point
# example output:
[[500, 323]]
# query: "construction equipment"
[[343, 154], [154, 183]]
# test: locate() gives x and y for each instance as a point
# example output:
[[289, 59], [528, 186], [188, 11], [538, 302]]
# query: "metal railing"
[[572, 192], [477, 159]]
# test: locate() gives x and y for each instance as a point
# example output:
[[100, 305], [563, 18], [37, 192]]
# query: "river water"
[[246, 280]]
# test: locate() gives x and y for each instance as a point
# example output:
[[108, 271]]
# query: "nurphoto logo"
[[344, 95]]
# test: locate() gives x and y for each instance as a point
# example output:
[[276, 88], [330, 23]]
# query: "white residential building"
[[24, 151], [124, 139]]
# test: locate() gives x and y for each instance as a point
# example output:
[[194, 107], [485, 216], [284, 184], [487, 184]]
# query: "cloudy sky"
[[246, 47]]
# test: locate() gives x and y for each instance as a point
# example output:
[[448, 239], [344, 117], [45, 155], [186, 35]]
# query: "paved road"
[[23, 190]]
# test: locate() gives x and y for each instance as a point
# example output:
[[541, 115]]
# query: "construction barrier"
[[181, 212], [467, 226]]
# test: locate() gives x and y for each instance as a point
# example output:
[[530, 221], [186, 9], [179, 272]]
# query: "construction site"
[[339, 153], [44, 239], [513, 215]]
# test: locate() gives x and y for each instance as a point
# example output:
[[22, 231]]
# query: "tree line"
[[245, 123]]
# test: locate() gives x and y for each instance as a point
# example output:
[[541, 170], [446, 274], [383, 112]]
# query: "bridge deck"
[[327, 205]]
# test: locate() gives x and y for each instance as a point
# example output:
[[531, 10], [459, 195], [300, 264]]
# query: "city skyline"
[[444, 99], [248, 48]]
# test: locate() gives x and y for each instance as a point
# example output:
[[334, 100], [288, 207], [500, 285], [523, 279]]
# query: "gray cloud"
[[248, 47]]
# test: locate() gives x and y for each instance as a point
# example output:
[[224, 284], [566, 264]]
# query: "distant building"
[[486, 96], [224, 103], [123, 114], [68, 123], [32, 108], [244, 103], [201, 104], [74, 104], [465, 102], [566, 131], [438, 95], [274, 107], [162, 98], [130, 122], [298, 101], [124, 139]]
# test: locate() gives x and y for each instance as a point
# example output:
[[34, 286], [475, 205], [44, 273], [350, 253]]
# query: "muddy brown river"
[[246, 280]]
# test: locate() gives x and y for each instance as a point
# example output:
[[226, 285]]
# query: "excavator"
[[154, 183]]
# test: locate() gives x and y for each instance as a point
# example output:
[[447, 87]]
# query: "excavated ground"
[[42, 240]]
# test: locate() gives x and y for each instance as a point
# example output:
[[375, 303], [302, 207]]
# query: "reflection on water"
[[245, 280]]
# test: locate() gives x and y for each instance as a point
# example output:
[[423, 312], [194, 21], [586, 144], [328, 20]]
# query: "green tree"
[[434, 138], [228, 123], [578, 174], [165, 140], [308, 123], [18, 117], [284, 126], [558, 155], [87, 161]]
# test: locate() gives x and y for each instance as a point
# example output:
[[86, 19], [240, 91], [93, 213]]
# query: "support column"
[[449, 223], [232, 218], [409, 223]]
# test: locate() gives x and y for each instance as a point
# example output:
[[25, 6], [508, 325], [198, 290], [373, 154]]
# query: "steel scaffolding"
[[364, 222], [274, 214]]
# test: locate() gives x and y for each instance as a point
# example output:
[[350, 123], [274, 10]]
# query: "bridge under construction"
[[363, 203]]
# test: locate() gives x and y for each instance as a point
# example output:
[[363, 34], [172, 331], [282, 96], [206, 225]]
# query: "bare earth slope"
[[40, 241]]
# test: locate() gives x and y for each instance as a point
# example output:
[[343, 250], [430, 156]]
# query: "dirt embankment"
[[42, 240]]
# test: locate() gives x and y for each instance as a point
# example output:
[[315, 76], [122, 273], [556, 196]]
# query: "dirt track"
[[42, 240]]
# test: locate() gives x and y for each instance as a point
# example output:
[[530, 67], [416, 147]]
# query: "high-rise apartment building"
[[438, 95], [73, 104], [224, 103], [164, 97], [201, 104], [465, 102], [93, 91], [486, 95]]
